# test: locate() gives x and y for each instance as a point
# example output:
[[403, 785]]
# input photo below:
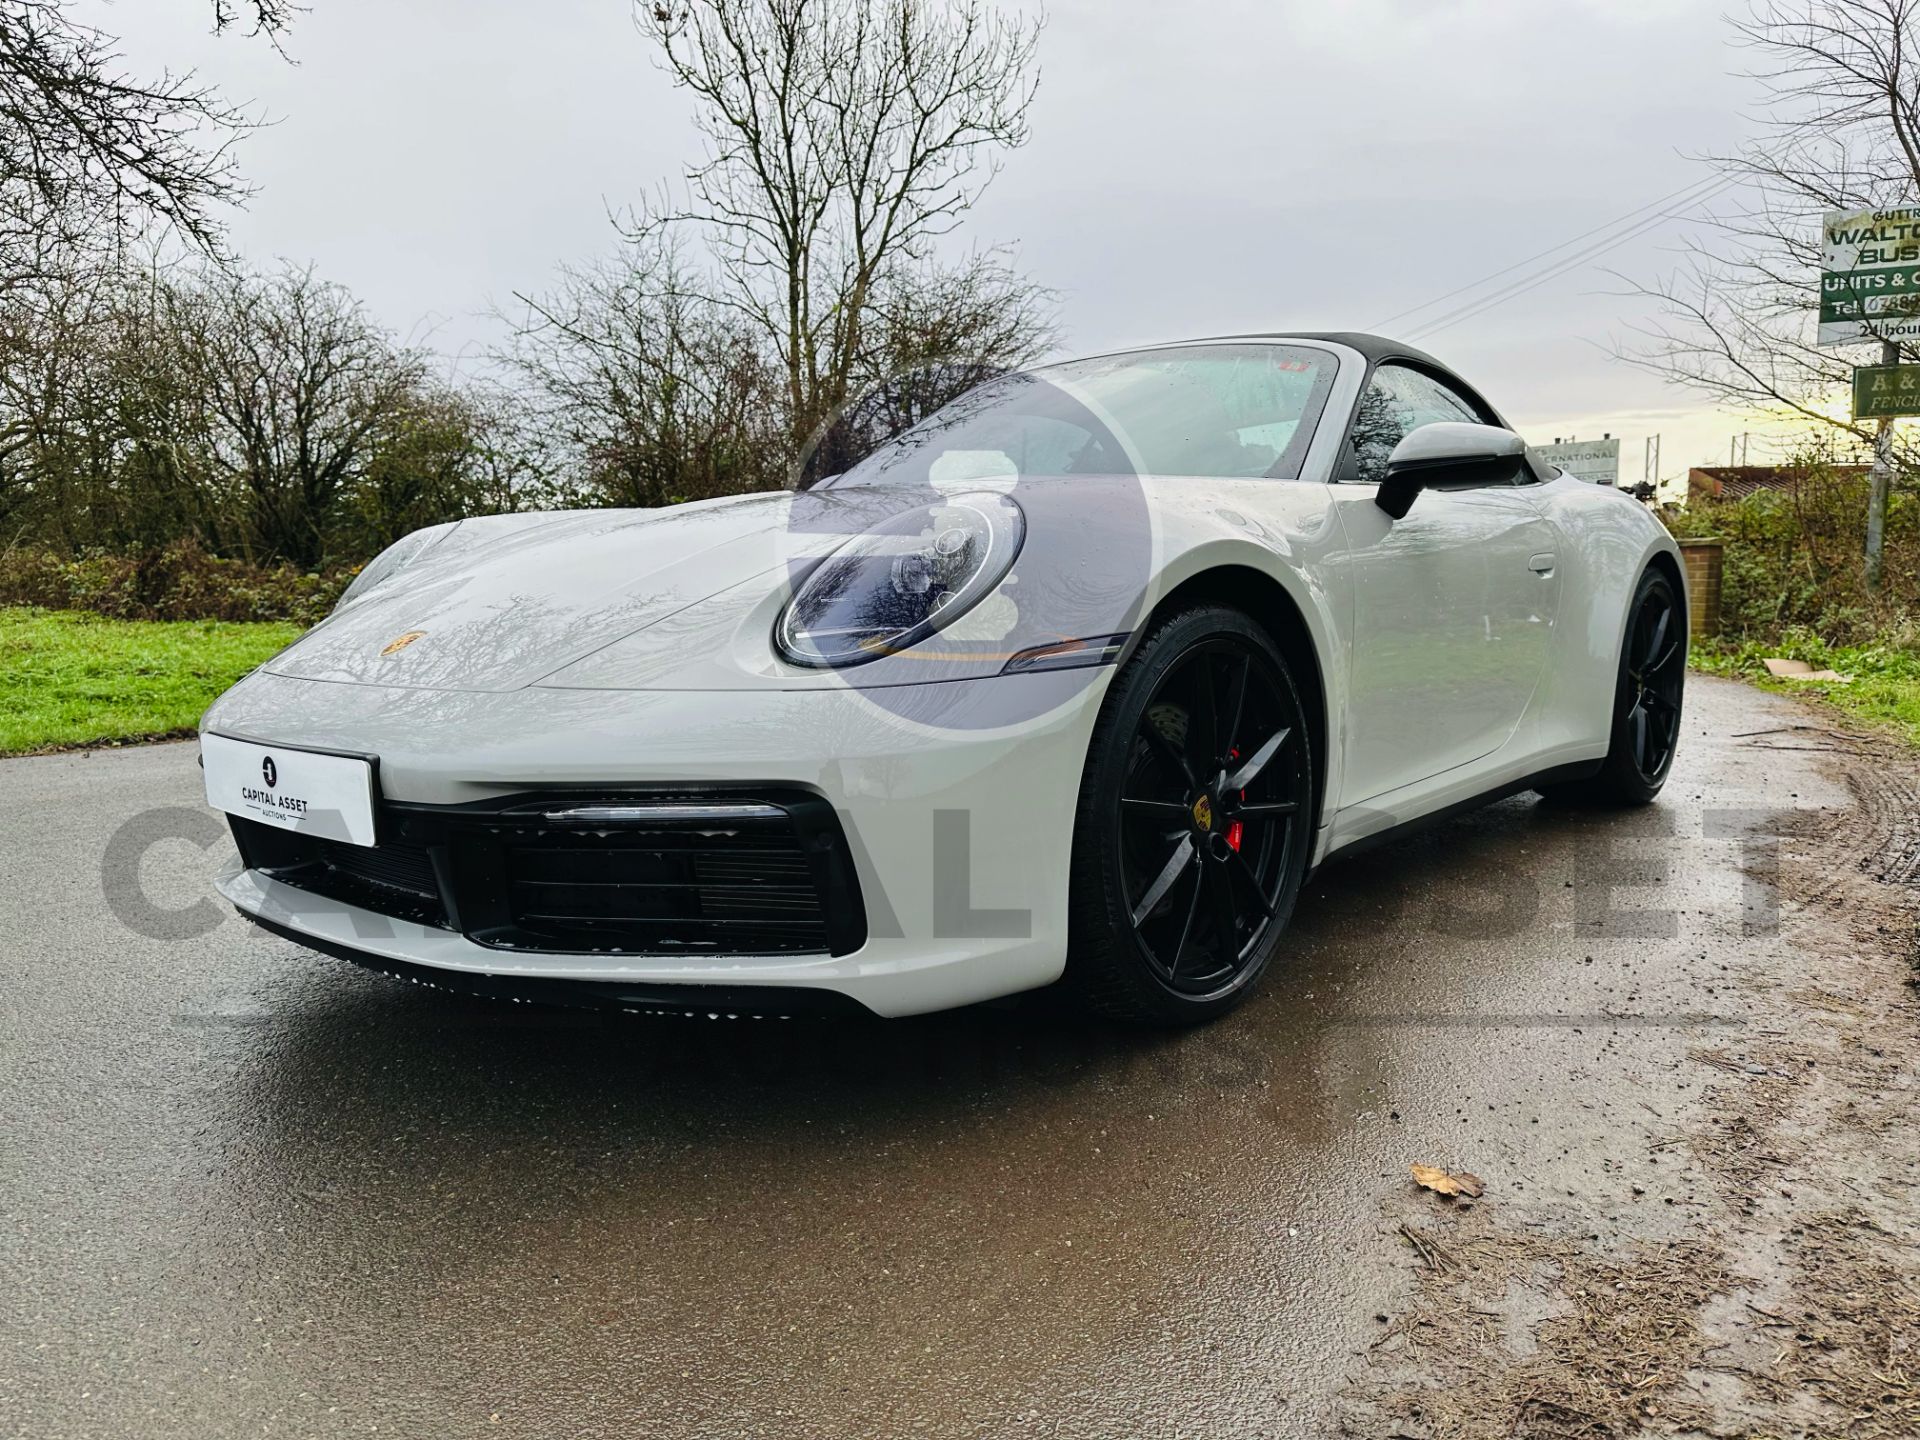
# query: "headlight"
[[889, 589]]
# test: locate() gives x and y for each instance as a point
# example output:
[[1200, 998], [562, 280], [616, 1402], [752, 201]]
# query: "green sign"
[[1870, 276], [1856, 295], [1882, 391]]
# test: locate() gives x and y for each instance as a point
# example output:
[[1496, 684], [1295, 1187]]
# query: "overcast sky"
[[1198, 168]]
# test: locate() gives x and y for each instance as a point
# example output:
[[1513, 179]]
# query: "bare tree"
[[1841, 131], [934, 333], [91, 154], [655, 392], [425, 466], [261, 415], [844, 137], [300, 388], [48, 372], [516, 460], [264, 17], [102, 437]]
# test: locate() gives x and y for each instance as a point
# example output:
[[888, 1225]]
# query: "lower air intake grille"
[[749, 888], [393, 878], [768, 874], [397, 865]]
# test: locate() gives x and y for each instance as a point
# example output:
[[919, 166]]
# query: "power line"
[[1705, 186], [1569, 263]]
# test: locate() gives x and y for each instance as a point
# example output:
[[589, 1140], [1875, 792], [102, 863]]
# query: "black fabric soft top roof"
[[1374, 347]]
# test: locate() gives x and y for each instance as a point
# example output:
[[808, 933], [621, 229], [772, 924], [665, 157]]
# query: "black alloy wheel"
[[1194, 823], [1647, 706], [1657, 672]]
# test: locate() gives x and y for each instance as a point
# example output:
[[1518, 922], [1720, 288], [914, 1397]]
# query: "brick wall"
[[1702, 559]]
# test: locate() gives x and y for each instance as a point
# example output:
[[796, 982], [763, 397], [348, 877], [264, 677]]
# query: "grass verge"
[[1885, 679], [69, 679]]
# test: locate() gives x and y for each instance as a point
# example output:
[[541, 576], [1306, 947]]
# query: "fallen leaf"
[[1441, 1182]]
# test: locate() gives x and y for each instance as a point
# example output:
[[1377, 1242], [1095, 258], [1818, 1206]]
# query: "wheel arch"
[[1267, 602], [1667, 561], [1669, 565]]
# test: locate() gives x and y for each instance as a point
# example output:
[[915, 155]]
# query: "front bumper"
[[960, 827]]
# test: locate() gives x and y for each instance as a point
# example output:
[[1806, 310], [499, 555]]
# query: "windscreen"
[[1221, 411]]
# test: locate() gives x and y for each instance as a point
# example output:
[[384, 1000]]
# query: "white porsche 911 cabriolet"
[[1071, 683]]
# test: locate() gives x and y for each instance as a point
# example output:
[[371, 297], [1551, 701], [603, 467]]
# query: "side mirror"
[[1449, 454]]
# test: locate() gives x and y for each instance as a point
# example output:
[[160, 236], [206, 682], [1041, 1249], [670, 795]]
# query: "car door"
[[1452, 605]]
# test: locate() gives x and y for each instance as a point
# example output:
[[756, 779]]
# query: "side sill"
[[1557, 775]]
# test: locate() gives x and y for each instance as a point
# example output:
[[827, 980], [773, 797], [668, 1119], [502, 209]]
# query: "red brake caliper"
[[1234, 828]]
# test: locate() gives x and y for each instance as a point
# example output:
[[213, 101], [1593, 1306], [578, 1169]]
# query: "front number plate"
[[326, 795]]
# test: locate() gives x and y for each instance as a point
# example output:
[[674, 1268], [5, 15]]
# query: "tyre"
[[1646, 703], [1194, 822]]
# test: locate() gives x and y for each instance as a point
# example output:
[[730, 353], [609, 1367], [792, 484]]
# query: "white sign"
[[1869, 276], [326, 795], [1596, 461]]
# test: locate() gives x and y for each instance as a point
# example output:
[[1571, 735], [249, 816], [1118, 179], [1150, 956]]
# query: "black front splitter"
[[716, 1001]]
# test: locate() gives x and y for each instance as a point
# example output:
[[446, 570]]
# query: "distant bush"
[[180, 581], [1793, 560]]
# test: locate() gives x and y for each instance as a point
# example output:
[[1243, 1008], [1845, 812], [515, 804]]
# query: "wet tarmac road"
[[245, 1190]]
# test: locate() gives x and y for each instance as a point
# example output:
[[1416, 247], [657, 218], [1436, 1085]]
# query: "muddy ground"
[[246, 1191], [1760, 1275]]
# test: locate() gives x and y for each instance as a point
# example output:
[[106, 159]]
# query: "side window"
[[1398, 401]]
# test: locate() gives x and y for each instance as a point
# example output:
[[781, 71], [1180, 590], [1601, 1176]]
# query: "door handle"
[[1542, 564]]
